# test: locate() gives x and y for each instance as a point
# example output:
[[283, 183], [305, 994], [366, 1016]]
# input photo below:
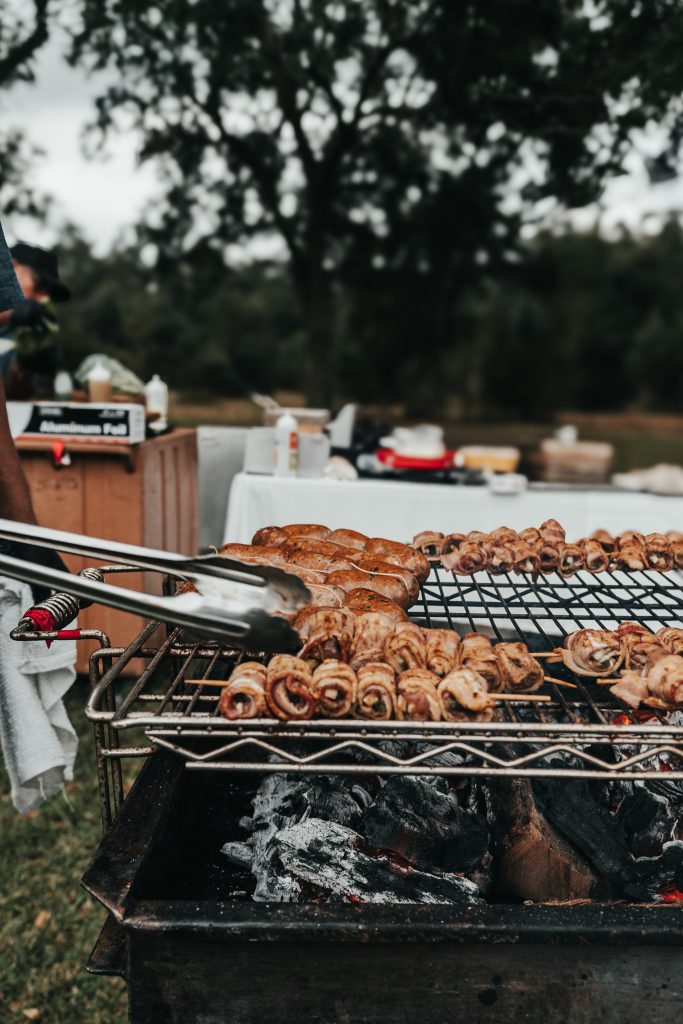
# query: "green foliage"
[[394, 147], [578, 322]]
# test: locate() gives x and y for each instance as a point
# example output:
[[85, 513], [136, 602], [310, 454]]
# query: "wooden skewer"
[[537, 698], [208, 682], [560, 682]]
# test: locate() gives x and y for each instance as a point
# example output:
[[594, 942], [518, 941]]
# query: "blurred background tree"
[[580, 322], [392, 149], [23, 32]]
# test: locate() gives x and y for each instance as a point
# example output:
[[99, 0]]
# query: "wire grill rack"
[[580, 733]]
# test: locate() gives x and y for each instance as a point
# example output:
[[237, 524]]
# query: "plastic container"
[[156, 397], [499, 459], [286, 445], [314, 451], [99, 384]]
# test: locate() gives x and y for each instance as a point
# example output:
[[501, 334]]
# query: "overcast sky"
[[106, 197]]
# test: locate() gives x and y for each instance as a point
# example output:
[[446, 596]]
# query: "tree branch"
[[23, 51]]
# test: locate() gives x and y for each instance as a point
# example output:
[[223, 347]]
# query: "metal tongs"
[[232, 602]]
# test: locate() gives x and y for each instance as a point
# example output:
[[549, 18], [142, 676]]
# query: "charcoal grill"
[[194, 949], [580, 733]]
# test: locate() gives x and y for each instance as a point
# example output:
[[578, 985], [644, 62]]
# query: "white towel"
[[38, 741]]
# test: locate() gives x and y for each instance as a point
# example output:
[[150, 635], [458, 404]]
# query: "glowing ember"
[[670, 894]]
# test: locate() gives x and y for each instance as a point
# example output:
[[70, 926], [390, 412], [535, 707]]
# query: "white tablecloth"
[[396, 510]]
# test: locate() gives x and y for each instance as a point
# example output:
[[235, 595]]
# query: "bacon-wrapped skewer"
[[525, 558], [430, 543], [477, 653], [417, 699], [443, 650], [631, 555], [452, 542], [469, 558], [591, 652], [335, 688], [595, 558], [363, 600], [401, 554], [349, 539], [376, 564], [531, 536], [463, 697], [641, 647], [571, 559], [520, 670], [289, 688], [372, 631], [406, 647], [549, 555], [677, 553], [552, 532], [659, 554], [245, 693], [499, 558], [376, 692], [389, 586], [672, 638], [326, 632], [660, 687], [503, 535], [604, 539]]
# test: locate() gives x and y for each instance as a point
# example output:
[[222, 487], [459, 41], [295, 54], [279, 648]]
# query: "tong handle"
[[130, 554]]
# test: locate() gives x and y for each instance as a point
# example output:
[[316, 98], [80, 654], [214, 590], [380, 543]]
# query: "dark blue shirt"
[[10, 292]]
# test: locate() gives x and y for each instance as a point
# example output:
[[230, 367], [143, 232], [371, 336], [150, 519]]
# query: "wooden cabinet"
[[142, 494]]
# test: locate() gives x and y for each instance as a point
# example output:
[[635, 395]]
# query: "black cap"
[[44, 262]]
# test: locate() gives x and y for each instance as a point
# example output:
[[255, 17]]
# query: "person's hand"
[[36, 316], [38, 555]]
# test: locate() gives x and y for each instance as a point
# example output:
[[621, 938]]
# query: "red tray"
[[388, 457]]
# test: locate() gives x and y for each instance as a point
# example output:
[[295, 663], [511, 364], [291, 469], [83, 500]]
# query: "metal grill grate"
[[580, 733]]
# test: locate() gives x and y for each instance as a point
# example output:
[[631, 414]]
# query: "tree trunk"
[[318, 315]]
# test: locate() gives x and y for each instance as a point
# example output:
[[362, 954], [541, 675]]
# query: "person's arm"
[[15, 497], [10, 292]]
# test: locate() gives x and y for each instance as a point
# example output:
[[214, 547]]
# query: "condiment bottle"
[[63, 386], [99, 384], [156, 397], [286, 445]]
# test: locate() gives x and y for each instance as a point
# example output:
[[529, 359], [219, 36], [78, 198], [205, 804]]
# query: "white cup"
[[314, 451]]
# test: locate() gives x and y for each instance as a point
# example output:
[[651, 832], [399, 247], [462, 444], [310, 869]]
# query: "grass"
[[48, 924]]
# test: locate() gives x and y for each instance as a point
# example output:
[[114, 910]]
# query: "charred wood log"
[[535, 863]]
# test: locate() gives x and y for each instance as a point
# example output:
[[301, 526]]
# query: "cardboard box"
[[116, 422]]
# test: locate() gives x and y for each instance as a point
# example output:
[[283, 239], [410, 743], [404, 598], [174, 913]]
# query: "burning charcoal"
[[602, 838], [332, 858], [282, 800], [425, 826], [326, 798], [648, 820]]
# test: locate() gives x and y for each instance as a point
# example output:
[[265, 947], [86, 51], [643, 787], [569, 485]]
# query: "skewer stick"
[[537, 698], [208, 682], [560, 682]]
